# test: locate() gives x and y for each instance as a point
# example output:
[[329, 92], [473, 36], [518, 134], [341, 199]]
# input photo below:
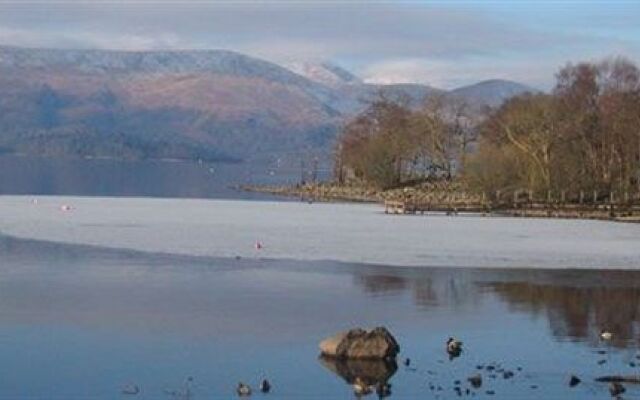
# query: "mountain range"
[[208, 104]]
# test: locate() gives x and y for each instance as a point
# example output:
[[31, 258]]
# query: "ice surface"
[[320, 231]]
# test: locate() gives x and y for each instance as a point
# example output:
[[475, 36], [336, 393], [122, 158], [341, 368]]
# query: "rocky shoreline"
[[452, 195], [440, 192]]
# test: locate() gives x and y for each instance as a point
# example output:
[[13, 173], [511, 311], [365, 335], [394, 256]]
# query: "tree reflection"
[[578, 312], [381, 284], [428, 289], [577, 304]]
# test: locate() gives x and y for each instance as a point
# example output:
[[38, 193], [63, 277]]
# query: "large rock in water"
[[358, 343]]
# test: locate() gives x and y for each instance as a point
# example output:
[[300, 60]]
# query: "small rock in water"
[[454, 347], [632, 364], [574, 381], [533, 386], [490, 392], [606, 335], [130, 389], [475, 380], [616, 388], [507, 374], [243, 390], [265, 386]]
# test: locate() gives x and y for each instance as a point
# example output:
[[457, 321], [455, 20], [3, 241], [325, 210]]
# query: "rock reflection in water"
[[373, 373]]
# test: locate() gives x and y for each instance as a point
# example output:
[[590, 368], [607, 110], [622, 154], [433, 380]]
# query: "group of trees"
[[582, 136], [392, 144]]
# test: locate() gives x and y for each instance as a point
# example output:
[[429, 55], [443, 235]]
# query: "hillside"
[[491, 92], [213, 105]]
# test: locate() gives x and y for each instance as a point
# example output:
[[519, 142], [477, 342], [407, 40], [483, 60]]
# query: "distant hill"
[[350, 92], [213, 105], [324, 73], [182, 104], [491, 92]]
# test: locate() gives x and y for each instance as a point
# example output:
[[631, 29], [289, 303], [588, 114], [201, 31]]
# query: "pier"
[[625, 207]]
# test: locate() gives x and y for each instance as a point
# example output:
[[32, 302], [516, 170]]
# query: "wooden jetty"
[[409, 207], [522, 203]]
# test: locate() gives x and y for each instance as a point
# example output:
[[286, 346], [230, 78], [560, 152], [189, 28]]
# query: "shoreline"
[[329, 192], [452, 200]]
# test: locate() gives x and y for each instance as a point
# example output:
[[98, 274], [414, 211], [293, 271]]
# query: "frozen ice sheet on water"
[[320, 231]]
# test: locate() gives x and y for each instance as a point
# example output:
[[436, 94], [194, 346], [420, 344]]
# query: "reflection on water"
[[80, 321], [428, 289], [105, 177], [373, 373], [579, 312], [577, 304]]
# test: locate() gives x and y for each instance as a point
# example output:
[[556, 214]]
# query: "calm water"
[[82, 322], [100, 177]]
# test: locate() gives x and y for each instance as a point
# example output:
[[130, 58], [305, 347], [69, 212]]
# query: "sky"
[[443, 44]]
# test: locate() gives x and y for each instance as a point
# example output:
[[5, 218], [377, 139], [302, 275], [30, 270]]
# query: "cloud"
[[88, 40], [344, 30], [383, 41], [445, 75]]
